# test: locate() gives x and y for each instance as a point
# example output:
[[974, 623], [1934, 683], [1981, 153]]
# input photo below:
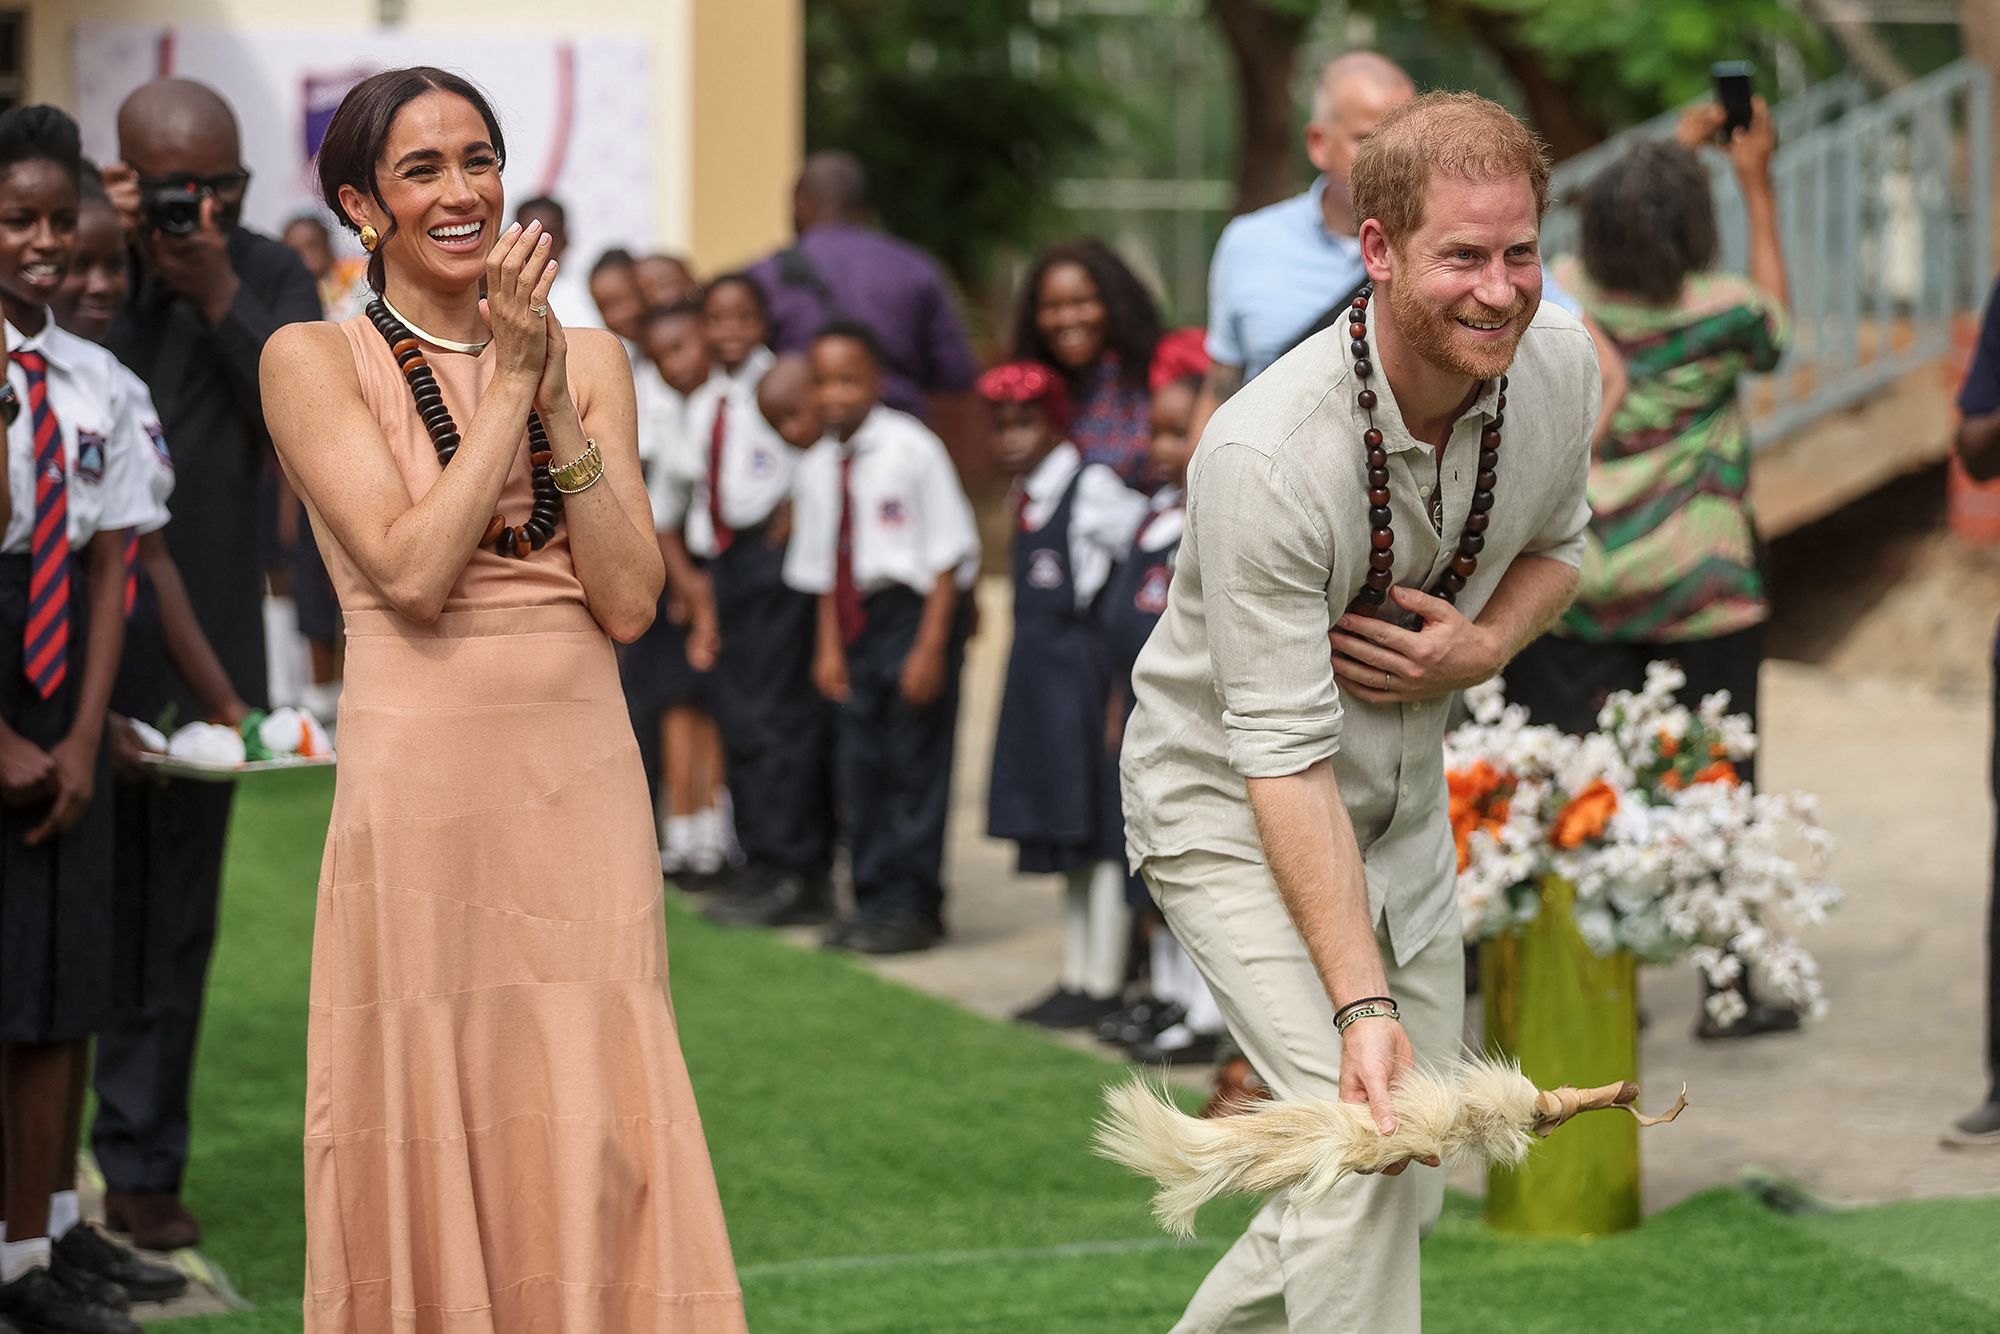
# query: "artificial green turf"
[[890, 1163]]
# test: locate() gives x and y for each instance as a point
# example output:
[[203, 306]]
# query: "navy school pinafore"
[[1049, 756], [1133, 602]]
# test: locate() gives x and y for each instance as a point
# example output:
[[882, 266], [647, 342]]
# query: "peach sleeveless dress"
[[500, 1136]]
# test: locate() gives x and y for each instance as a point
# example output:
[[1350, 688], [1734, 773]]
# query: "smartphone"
[[1732, 90]]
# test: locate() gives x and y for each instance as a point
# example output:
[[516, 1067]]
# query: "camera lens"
[[175, 209]]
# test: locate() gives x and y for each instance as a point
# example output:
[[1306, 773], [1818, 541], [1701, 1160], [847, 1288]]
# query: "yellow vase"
[[1569, 1017]]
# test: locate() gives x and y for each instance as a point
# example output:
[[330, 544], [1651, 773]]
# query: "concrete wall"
[[729, 117]]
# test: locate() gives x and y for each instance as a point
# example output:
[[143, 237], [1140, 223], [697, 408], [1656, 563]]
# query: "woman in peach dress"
[[500, 1136]]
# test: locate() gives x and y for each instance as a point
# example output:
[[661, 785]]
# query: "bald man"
[[841, 268], [1280, 272], [202, 305]]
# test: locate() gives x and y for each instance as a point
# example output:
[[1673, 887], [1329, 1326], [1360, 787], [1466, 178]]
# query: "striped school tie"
[[46, 645], [131, 570]]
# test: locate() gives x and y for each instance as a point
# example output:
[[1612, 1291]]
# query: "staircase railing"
[[1884, 209]]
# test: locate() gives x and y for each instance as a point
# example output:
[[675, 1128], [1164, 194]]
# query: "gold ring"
[[1385, 680], [538, 310]]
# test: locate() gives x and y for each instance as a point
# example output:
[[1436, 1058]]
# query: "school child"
[[883, 536], [669, 667], [162, 637], [1179, 1021], [75, 450], [776, 734], [1049, 790]]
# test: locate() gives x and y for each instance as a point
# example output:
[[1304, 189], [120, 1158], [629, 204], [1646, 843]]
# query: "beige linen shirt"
[[1237, 680]]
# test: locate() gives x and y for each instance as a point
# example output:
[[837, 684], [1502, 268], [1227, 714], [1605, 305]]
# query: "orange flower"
[[1722, 771], [1586, 815], [1671, 781], [1668, 746], [1474, 805], [1716, 750]]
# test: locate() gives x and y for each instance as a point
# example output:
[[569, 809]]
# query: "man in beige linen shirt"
[[1287, 805]]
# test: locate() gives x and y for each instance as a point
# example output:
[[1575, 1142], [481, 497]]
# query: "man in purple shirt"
[[842, 269]]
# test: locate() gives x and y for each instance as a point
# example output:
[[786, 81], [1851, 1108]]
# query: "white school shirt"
[[666, 433], [158, 466], [1166, 520], [911, 519], [757, 465], [106, 449], [1102, 523]]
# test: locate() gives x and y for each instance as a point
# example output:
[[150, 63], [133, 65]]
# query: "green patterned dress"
[[1672, 548]]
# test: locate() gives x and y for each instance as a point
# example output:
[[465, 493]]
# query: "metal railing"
[[1884, 211]]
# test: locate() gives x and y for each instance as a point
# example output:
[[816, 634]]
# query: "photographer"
[[206, 294]]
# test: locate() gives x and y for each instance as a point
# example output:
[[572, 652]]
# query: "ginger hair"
[[1441, 134]]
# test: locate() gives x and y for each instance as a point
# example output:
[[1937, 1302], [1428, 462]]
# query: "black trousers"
[[1565, 682], [1993, 912], [777, 730], [895, 764], [167, 856]]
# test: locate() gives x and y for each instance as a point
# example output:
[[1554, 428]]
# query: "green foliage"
[[1623, 60], [961, 113]]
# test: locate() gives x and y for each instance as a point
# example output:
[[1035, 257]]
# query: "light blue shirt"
[[1276, 271]]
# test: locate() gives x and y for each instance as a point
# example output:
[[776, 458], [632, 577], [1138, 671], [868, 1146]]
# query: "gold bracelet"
[[581, 472]]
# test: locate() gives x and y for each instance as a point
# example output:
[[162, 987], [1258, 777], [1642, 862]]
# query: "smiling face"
[[440, 177], [733, 323], [846, 382], [1070, 315], [99, 276], [1464, 286], [676, 348], [38, 209]]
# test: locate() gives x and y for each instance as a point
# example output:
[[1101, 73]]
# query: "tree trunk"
[[1553, 104], [1848, 24], [1263, 47]]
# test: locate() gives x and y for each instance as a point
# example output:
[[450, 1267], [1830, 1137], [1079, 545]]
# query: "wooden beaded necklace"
[[1381, 537], [507, 539]]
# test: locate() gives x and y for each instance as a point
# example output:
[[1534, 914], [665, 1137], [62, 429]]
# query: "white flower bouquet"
[[1671, 856]]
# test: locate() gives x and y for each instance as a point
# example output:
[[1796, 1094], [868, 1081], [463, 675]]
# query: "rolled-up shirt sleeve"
[[1561, 536], [1265, 565]]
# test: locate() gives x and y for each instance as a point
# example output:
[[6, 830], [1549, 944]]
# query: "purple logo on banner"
[[321, 95]]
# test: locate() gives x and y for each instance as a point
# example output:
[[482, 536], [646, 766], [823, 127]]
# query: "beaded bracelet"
[[1365, 1010], [580, 472]]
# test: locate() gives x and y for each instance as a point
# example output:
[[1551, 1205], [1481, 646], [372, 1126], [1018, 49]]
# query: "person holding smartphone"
[[1671, 565]]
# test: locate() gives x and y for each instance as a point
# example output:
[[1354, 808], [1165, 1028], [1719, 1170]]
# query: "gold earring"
[[370, 238]]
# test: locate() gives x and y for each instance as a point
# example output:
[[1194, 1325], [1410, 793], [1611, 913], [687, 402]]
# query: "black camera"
[[174, 209]]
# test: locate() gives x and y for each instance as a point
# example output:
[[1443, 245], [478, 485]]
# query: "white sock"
[[18, 1257], [681, 834], [1203, 1014], [64, 1213], [1110, 930], [1166, 967], [1076, 930]]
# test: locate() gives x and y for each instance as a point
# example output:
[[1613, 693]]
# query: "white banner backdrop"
[[594, 153]]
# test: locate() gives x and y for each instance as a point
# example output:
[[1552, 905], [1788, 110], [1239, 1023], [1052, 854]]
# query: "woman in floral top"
[[1671, 567], [1083, 312]]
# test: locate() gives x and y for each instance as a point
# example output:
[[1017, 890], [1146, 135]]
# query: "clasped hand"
[[519, 274], [1381, 662]]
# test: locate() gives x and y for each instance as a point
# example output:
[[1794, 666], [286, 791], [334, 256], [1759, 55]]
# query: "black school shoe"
[[1141, 1021], [890, 935], [776, 898], [1063, 1008], [85, 1251], [1977, 1129], [38, 1302]]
